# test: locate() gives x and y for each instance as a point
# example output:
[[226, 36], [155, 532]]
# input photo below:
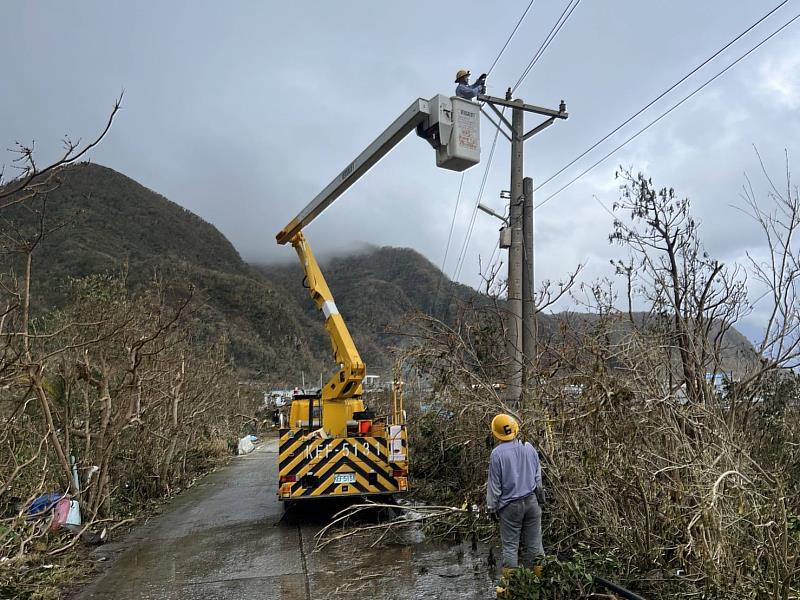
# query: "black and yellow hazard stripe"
[[314, 463]]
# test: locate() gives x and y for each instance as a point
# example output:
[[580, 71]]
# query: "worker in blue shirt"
[[465, 90], [514, 495]]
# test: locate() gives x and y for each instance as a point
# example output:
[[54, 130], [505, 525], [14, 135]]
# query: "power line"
[[548, 40], [562, 19], [659, 97], [470, 228], [566, 13], [668, 111], [465, 245], [503, 49], [453, 221], [447, 246], [461, 183], [559, 24], [648, 105]]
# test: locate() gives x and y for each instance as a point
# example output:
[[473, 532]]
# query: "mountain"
[[736, 352], [99, 220], [376, 290]]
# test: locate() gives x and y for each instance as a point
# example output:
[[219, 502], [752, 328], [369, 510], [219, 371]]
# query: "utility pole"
[[529, 333], [518, 355], [515, 258]]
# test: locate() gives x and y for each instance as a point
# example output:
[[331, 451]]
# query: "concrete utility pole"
[[529, 333], [521, 250], [515, 258]]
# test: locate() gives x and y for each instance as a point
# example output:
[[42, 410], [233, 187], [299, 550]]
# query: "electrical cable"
[[668, 111], [461, 183], [560, 22], [562, 19], [546, 44], [432, 308], [659, 97], [453, 221], [636, 114], [508, 41], [471, 227]]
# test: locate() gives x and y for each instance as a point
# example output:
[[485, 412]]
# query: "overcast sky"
[[243, 111]]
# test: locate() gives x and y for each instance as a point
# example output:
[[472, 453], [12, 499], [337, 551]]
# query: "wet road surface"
[[224, 539]]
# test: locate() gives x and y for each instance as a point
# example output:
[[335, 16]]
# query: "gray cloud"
[[242, 111]]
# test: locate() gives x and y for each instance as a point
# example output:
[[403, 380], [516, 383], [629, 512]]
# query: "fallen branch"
[[412, 515]]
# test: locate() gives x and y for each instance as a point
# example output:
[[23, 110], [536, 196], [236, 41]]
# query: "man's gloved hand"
[[494, 516], [482, 78], [541, 496], [483, 90]]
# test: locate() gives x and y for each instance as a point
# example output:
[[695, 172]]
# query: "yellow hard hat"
[[460, 74], [504, 427]]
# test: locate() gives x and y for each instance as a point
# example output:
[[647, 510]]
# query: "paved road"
[[222, 539]]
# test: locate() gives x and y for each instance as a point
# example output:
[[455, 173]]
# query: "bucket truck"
[[331, 445]]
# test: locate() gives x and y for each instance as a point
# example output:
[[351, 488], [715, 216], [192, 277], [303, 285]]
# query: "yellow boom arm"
[[452, 127], [347, 382]]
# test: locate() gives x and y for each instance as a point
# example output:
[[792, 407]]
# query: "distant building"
[[277, 398], [372, 381], [718, 381]]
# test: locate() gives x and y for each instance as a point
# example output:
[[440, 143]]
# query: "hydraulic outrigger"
[[332, 446]]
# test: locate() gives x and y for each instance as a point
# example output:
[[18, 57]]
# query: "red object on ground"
[[60, 512]]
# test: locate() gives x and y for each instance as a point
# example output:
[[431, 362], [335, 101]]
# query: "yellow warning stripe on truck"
[[311, 467]]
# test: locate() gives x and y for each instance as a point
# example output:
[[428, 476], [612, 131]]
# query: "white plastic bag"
[[246, 445], [74, 515]]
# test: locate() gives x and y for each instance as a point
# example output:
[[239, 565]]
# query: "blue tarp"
[[43, 504]]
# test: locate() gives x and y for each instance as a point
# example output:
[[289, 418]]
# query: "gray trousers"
[[521, 521]]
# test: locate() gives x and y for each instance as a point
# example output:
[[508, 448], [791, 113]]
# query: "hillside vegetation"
[[147, 342], [104, 222], [376, 290]]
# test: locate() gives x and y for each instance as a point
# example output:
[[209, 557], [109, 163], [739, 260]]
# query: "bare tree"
[[677, 279], [695, 492], [125, 379], [778, 271]]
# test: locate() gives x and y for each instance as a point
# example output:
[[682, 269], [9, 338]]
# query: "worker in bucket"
[[467, 91], [514, 496]]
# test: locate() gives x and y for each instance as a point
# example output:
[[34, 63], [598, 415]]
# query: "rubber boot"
[[537, 569], [500, 590]]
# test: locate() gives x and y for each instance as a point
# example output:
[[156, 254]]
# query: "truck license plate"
[[344, 478]]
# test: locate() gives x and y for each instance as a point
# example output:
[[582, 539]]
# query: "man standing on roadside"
[[514, 495]]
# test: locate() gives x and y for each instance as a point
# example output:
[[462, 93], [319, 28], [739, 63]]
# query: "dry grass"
[[699, 499]]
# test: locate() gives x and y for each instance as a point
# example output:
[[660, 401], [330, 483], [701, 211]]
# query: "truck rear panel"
[[311, 467]]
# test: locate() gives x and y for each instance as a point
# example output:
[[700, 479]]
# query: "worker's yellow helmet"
[[504, 427], [461, 73]]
